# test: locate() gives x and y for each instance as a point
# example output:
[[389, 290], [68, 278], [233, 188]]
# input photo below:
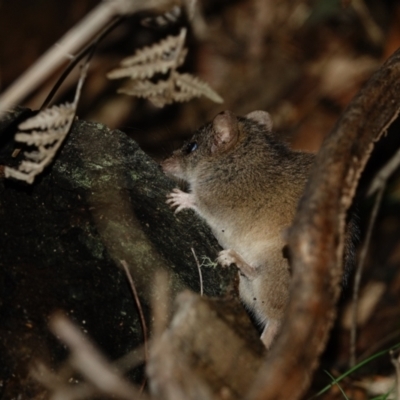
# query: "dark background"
[[302, 61]]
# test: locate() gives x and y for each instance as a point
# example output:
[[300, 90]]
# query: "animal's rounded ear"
[[261, 117], [226, 131]]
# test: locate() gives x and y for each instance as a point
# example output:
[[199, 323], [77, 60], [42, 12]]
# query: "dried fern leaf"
[[16, 174], [57, 120], [160, 101], [191, 84], [38, 155], [53, 117], [27, 171], [146, 89], [163, 57], [162, 50], [171, 97], [181, 97], [179, 88], [158, 93], [148, 70], [142, 71], [179, 60], [168, 18], [39, 138], [54, 124], [28, 166]]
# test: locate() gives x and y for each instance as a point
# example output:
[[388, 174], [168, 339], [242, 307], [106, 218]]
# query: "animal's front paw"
[[180, 199], [227, 257]]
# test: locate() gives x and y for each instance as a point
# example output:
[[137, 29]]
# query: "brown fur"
[[246, 185]]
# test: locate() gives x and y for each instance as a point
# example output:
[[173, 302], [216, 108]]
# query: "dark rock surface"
[[103, 200]]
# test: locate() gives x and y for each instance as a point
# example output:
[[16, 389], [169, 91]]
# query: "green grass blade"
[[355, 368], [341, 389]]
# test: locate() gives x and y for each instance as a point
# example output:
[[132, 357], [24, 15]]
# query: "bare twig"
[[374, 32], [138, 305], [384, 174], [88, 361], [58, 383], [358, 275], [89, 49], [46, 377], [59, 389], [199, 268], [130, 360], [142, 319], [71, 42], [378, 185]]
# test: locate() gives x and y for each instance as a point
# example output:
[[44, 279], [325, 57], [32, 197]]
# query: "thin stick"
[[58, 384], [136, 297], [71, 42], [87, 360], [88, 49], [384, 173], [372, 29], [130, 360], [59, 389], [358, 275], [378, 185], [199, 268]]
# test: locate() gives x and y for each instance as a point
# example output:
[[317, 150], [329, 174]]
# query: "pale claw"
[[227, 258], [181, 200]]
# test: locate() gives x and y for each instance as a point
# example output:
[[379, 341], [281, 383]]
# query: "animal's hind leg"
[[270, 331]]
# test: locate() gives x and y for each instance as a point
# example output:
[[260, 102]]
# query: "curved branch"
[[316, 236]]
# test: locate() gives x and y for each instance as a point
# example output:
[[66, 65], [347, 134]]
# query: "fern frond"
[[191, 84], [39, 138], [146, 89], [181, 97], [17, 174], [50, 118], [168, 18], [40, 154], [162, 50], [28, 166], [164, 57], [179, 88], [160, 93], [161, 101], [143, 71], [47, 142], [54, 124]]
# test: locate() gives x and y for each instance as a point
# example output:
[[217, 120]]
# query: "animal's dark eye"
[[190, 147]]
